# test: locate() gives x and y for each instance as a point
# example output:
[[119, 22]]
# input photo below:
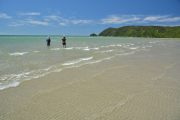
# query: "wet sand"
[[142, 86]]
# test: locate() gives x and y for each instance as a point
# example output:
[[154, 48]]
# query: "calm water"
[[27, 57]]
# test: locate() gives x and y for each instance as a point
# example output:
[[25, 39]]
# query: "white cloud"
[[140, 19], [53, 17], [36, 22], [153, 18], [170, 19], [15, 24], [30, 14], [29, 22], [4, 16], [62, 24], [119, 19], [162, 19], [80, 21], [65, 21], [55, 20]]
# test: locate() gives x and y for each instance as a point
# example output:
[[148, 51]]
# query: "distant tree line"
[[143, 31], [93, 35]]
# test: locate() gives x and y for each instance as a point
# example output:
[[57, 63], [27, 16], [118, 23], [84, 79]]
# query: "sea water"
[[27, 57]]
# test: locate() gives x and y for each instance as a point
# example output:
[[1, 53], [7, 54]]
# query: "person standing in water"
[[64, 42], [48, 41]]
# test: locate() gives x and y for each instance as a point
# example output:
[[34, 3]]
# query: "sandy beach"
[[141, 86]]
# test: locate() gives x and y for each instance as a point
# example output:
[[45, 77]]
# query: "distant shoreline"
[[143, 31]]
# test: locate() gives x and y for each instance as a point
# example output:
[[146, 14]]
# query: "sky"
[[83, 17]]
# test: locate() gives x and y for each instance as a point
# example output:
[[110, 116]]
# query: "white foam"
[[87, 49], [127, 45], [70, 63], [153, 42], [55, 49], [82, 48], [13, 84], [95, 48], [89, 58], [91, 49], [106, 51], [134, 48], [119, 45], [18, 53], [128, 53], [78, 48], [9, 77], [13, 80], [36, 51], [146, 46], [3, 78], [70, 48], [77, 61], [131, 44], [113, 45], [91, 62]]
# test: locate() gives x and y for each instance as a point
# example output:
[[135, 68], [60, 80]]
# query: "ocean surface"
[[25, 58]]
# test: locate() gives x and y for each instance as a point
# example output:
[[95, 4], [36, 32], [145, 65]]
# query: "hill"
[[143, 31]]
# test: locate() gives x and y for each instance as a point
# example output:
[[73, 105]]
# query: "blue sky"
[[82, 17]]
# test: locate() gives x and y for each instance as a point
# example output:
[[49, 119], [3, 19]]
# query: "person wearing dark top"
[[48, 41], [64, 42]]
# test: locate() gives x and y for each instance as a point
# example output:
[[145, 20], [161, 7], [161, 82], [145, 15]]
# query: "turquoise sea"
[[27, 57]]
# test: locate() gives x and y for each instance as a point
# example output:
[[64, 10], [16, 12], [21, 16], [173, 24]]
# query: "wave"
[[13, 80], [10, 80], [106, 51], [87, 49], [96, 48], [13, 84], [36, 51], [113, 45], [133, 48], [118, 45], [91, 62], [153, 42], [55, 49], [70, 48], [76, 48], [146, 46], [127, 53], [82, 48], [77, 61], [18, 53]]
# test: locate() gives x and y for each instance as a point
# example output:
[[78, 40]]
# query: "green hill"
[[143, 31]]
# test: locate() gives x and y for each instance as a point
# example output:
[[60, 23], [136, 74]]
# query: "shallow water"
[[27, 57]]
